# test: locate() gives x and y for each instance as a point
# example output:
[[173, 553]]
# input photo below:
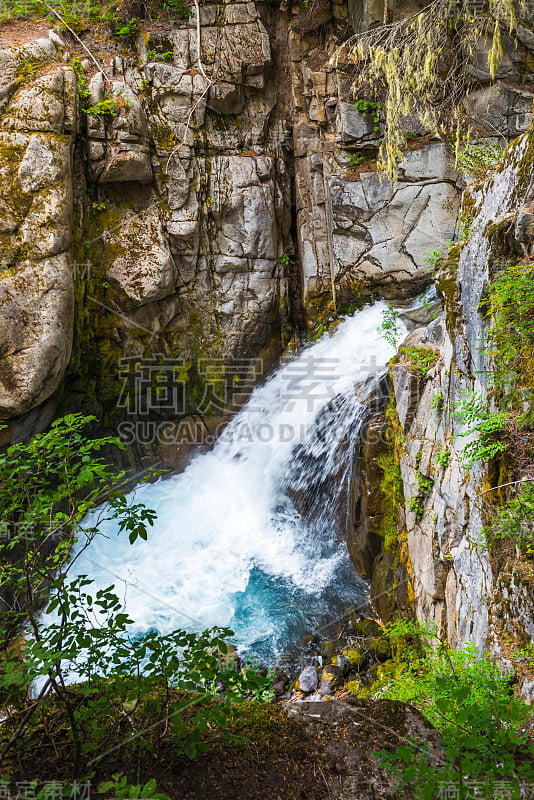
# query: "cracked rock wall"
[[453, 582], [209, 217]]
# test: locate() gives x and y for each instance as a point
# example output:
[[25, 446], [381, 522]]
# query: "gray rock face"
[[452, 577], [527, 691], [382, 233], [308, 680], [36, 317], [36, 212], [186, 235]]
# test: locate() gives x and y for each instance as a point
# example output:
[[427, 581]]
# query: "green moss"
[[447, 286], [321, 311], [524, 166], [356, 656], [392, 497]]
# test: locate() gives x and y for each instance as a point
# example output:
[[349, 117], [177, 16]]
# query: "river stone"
[[308, 679], [331, 679]]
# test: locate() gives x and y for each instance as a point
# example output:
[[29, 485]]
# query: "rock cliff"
[[196, 198]]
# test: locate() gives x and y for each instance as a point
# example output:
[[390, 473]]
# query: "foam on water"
[[229, 546]]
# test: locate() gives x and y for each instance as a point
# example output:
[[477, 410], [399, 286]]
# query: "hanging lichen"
[[423, 67]]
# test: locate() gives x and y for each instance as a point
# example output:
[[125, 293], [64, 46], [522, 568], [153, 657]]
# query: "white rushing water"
[[229, 546]]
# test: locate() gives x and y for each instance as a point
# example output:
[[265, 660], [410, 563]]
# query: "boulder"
[[308, 680]]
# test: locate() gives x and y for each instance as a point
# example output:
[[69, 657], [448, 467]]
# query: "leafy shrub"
[[510, 303], [369, 107], [389, 327], [420, 359], [490, 426], [478, 159], [465, 696], [443, 456], [128, 30], [110, 106], [46, 489], [119, 787]]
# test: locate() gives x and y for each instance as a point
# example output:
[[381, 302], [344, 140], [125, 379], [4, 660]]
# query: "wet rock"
[[328, 650]]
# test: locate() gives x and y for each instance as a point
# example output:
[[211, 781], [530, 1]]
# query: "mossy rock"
[[380, 648], [356, 656]]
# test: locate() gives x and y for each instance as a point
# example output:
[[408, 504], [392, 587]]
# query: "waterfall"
[[250, 535]]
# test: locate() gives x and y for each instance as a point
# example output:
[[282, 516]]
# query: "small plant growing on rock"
[[373, 109], [437, 401], [354, 160], [433, 257], [514, 522], [491, 427], [285, 259], [128, 30], [155, 55], [419, 359], [389, 328], [476, 160], [443, 457], [109, 107], [415, 505]]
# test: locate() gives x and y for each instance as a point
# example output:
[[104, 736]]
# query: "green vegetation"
[[118, 786], [127, 688], [389, 327], [110, 106], [27, 70], [510, 304], [513, 522], [354, 160], [437, 401], [128, 30], [490, 427], [156, 55], [82, 80], [371, 108], [392, 492], [476, 160], [178, 8], [467, 698], [78, 15], [416, 504], [510, 341], [433, 257], [419, 359], [443, 456]]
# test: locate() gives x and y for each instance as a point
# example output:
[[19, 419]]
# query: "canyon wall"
[[219, 203]]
